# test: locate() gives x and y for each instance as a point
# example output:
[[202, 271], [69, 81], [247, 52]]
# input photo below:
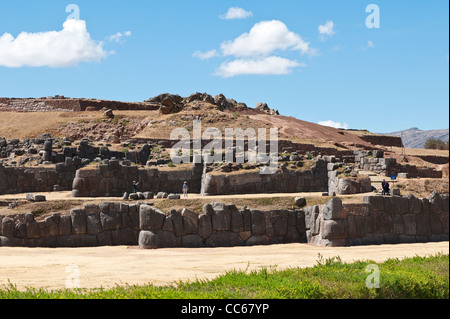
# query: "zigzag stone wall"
[[379, 220]]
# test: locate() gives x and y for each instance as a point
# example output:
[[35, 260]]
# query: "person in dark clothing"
[[385, 188], [135, 185]]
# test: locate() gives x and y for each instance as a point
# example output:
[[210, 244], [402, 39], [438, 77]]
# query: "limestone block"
[[78, 220], [333, 229], [221, 218], [333, 209], [151, 218], [190, 221], [204, 226], [224, 239]]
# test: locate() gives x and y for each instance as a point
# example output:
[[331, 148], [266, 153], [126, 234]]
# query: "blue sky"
[[382, 79]]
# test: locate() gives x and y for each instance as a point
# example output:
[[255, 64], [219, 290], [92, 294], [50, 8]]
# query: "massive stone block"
[[333, 209], [78, 219], [151, 218], [334, 229], [224, 239], [190, 222], [204, 226], [221, 218]]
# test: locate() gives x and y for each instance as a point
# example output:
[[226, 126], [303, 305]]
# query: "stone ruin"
[[379, 220]]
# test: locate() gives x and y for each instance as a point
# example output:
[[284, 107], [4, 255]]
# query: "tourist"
[[135, 185], [185, 189], [385, 187]]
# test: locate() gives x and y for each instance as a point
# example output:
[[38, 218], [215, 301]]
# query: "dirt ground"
[[109, 266]]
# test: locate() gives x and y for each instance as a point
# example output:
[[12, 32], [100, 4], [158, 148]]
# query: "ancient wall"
[[114, 179], [110, 224], [283, 181], [17, 179], [380, 220], [388, 166], [69, 104]]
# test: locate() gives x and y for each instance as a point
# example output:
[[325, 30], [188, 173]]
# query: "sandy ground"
[[108, 266]]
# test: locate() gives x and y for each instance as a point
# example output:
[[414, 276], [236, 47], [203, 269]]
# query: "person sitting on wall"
[[385, 188]]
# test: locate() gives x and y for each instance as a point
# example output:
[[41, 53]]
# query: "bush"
[[436, 144]]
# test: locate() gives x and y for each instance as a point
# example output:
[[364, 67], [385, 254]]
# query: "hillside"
[[156, 118], [416, 138]]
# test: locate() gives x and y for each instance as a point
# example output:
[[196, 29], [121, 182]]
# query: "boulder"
[[333, 209], [300, 201]]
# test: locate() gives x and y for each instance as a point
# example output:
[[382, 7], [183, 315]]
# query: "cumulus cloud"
[[119, 36], [65, 48], [327, 29], [205, 55], [268, 65], [236, 13], [264, 38], [334, 124]]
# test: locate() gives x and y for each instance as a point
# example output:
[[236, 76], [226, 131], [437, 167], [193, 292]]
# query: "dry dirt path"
[[108, 266]]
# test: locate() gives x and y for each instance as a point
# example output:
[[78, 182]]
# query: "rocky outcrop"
[[265, 108]]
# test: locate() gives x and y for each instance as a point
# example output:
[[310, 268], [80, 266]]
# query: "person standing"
[[185, 189], [135, 185]]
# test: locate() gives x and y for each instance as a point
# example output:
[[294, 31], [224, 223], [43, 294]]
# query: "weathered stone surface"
[[398, 226], [33, 230], [51, 226], [111, 220], [409, 220], [257, 240], [93, 224], [279, 222], [224, 239], [436, 202], [65, 226], [150, 239], [8, 227], [151, 218], [204, 226], [78, 219], [221, 218], [20, 230], [333, 209], [177, 220], [423, 225], [435, 224], [334, 229], [258, 222], [376, 202], [191, 241], [237, 221], [415, 204], [190, 221]]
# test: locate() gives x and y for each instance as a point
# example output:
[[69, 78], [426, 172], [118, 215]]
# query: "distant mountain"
[[416, 138]]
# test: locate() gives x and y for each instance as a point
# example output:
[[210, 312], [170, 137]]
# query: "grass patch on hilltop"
[[410, 278]]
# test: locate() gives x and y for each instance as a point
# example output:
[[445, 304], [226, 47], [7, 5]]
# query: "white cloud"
[[370, 44], [263, 39], [272, 65], [236, 13], [65, 48], [118, 36], [327, 29], [205, 55], [334, 124]]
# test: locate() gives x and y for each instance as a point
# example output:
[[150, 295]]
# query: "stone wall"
[[16, 179], [107, 224], [219, 225], [283, 181], [68, 104], [388, 166], [380, 220], [113, 179]]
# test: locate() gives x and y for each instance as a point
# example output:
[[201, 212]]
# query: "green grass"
[[411, 278]]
